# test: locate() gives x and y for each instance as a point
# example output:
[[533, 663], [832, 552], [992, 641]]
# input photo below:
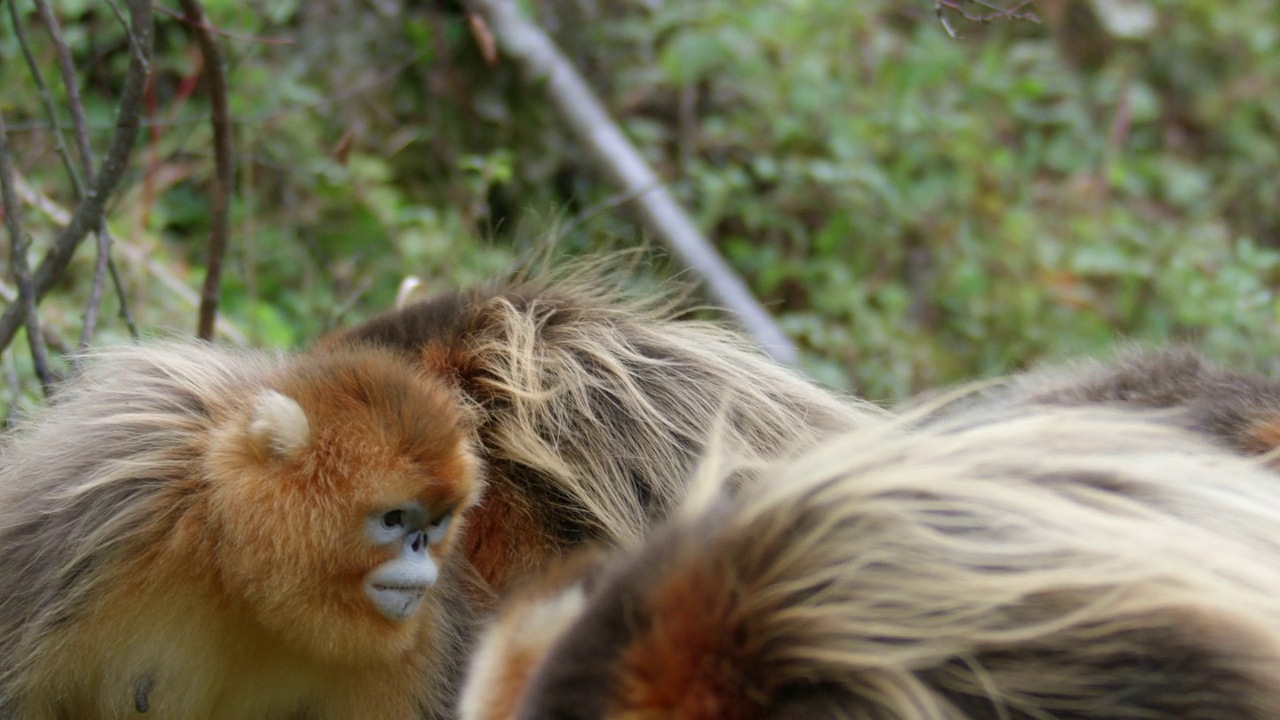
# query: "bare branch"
[[543, 63], [46, 99], [138, 52], [68, 69], [204, 25], [224, 165], [95, 289], [89, 212], [15, 388], [52, 339], [72, 86], [135, 256], [609, 203], [18, 246], [1016, 12], [125, 315]]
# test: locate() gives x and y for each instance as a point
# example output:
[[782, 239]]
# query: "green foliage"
[[917, 209]]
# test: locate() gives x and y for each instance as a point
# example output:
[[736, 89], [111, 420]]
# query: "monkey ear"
[[279, 426]]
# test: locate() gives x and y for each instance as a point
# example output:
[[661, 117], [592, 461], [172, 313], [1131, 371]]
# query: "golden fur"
[[181, 534], [593, 406], [1044, 563]]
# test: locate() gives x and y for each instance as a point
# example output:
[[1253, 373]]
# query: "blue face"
[[397, 586]]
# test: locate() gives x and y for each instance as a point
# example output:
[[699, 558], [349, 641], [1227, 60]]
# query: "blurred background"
[[913, 207]]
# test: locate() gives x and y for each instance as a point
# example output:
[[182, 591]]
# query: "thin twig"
[[600, 208], [46, 98], [52, 339], [68, 69], [1017, 12], [139, 54], [205, 26], [89, 212], [267, 116], [15, 387], [132, 254], [335, 317], [72, 86], [94, 302], [546, 66], [18, 246], [224, 166], [125, 313]]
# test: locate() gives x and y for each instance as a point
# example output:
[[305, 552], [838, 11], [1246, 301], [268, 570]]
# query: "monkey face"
[[337, 499]]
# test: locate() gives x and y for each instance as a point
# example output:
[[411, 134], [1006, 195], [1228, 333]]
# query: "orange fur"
[[697, 614], [506, 536], [234, 589], [1263, 436]]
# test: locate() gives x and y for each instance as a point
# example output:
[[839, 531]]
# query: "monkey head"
[[335, 500]]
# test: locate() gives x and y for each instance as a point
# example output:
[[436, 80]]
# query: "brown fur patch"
[[506, 538], [1263, 436], [690, 663]]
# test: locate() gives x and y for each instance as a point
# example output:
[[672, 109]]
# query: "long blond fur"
[[1238, 409], [139, 416], [1044, 563], [595, 404]]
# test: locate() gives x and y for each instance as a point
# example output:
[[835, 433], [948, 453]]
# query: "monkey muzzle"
[[398, 586]]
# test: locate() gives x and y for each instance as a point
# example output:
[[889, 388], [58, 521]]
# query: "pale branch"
[[94, 303], [1019, 11], [224, 165], [89, 211], [544, 65]]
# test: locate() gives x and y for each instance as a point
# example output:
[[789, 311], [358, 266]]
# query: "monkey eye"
[[393, 519], [437, 530]]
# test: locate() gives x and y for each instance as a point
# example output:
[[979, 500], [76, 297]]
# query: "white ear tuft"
[[279, 426]]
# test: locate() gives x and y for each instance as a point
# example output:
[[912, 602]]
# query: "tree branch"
[[543, 63], [67, 67], [18, 246], [88, 213], [224, 165], [133, 255]]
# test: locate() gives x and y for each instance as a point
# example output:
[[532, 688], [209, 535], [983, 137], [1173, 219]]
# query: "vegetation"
[[915, 208]]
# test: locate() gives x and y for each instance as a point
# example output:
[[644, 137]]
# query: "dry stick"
[[257, 39], [52, 339], [136, 256], [224, 167], [46, 99], [67, 66], [77, 182], [125, 314], [18, 245], [15, 386], [134, 45], [542, 62], [89, 212]]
